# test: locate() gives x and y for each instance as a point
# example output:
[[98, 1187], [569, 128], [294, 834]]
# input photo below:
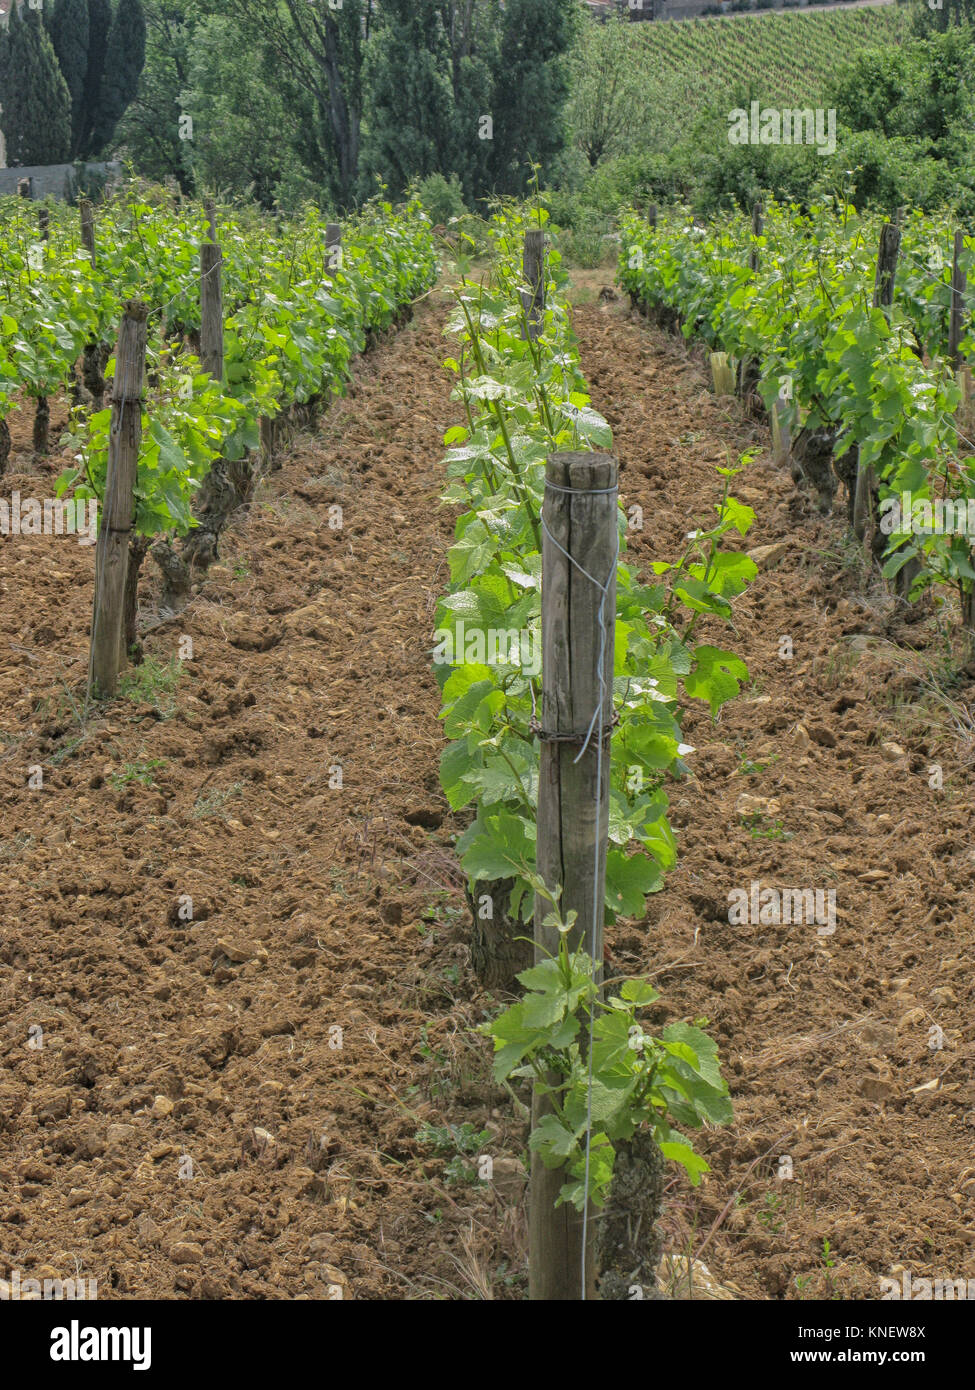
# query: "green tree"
[[410, 95], [99, 24], [68, 25], [531, 88], [946, 15], [36, 101], [312, 54], [124, 62], [607, 104], [238, 117], [150, 131]]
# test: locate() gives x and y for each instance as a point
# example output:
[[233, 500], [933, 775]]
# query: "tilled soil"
[[233, 972], [849, 1053]]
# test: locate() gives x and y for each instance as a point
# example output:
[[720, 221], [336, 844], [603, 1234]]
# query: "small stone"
[[765, 555], [117, 1134], [237, 951], [334, 1278], [78, 1196], [876, 1088], [186, 1252], [748, 805], [891, 751], [509, 1179], [161, 1106]]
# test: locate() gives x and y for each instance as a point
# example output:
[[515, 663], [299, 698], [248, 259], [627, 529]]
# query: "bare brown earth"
[[826, 1039], [290, 1039]]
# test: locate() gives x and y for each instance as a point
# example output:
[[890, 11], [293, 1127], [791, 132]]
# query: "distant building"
[[628, 9]]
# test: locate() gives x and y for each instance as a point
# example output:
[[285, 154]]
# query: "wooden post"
[[118, 515], [580, 515], [883, 287], [758, 227], [956, 316], [333, 245], [652, 216], [95, 354], [87, 227], [44, 223], [747, 368], [25, 187], [864, 505], [210, 208], [533, 270], [211, 309]]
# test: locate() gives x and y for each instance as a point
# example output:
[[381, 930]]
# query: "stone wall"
[[56, 180]]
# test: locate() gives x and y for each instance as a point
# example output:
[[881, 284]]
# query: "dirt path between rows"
[[850, 1055], [225, 1106]]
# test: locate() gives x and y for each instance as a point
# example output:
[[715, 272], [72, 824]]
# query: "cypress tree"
[[411, 101], [531, 87], [67, 24], [99, 23], [124, 62], [36, 102]]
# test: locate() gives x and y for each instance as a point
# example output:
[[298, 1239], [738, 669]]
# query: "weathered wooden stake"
[[864, 505], [652, 215], [333, 245], [758, 227], [747, 367], [44, 223], [883, 287], [580, 512], [211, 309], [118, 514], [956, 318], [87, 227], [533, 270]]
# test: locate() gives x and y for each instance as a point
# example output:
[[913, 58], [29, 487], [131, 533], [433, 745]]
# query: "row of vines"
[[871, 389], [524, 398], [295, 314]]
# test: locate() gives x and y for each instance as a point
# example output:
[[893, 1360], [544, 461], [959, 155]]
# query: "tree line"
[[286, 99]]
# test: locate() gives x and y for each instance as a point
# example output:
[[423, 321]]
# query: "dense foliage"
[[292, 327], [523, 400], [288, 99], [650, 103], [36, 101], [882, 381]]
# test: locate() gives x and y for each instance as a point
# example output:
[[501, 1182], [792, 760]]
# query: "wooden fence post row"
[[118, 515], [578, 623]]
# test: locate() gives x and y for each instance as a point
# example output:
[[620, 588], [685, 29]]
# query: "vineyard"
[[512, 839], [789, 58]]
